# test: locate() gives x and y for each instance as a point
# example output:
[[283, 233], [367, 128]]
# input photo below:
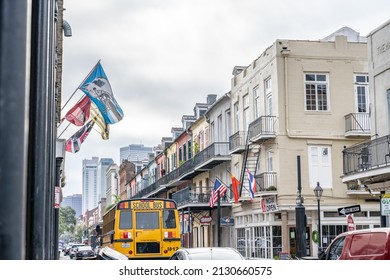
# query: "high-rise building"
[[104, 163], [74, 201], [135, 152], [90, 186], [112, 183]]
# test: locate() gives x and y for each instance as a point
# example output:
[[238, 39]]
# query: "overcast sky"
[[163, 56]]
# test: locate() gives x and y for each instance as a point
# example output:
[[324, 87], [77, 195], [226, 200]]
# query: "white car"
[[207, 253]]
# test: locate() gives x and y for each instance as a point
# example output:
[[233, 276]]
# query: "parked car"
[[107, 253], [207, 253], [365, 244], [72, 250], [85, 253]]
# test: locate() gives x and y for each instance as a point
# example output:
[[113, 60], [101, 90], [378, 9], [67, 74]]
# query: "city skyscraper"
[[104, 163], [74, 201], [135, 152], [90, 186]]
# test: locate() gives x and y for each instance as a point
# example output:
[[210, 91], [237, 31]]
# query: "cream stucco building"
[[307, 100]]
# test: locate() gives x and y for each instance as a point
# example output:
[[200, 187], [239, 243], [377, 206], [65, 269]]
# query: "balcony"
[[205, 160], [267, 183], [262, 129], [197, 198], [368, 162], [237, 142], [360, 192], [357, 124]]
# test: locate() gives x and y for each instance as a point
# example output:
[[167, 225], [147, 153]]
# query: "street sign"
[[385, 205], [227, 221], [348, 210]]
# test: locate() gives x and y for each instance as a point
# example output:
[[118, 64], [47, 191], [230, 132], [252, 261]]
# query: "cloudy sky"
[[163, 56]]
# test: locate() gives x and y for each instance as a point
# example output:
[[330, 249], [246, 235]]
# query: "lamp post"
[[318, 193]]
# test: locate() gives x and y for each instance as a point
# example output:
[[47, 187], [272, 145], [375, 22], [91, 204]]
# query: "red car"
[[364, 244]]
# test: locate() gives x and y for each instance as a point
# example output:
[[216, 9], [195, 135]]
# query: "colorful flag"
[[97, 118], [218, 186], [235, 184], [252, 184], [79, 113], [73, 143], [98, 89]]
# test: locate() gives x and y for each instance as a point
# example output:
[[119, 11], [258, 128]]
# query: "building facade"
[[367, 165], [90, 185], [135, 152], [104, 163], [112, 181], [300, 102], [75, 202], [287, 121]]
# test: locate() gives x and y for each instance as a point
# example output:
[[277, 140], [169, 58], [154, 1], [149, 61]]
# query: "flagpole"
[[86, 77], [63, 130]]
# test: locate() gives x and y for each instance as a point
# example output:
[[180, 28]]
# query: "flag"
[[79, 113], [235, 184], [252, 184], [97, 118], [98, 89], [218, 186], [73, 143]]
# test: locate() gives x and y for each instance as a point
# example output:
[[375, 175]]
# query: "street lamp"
[[318, 193]]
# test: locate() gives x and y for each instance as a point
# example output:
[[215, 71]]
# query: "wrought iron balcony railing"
[[262, 128], [207, 158], [237, 142], [367, 156], [196, 195]]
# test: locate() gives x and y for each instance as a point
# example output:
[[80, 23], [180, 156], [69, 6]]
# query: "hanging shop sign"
[[227, 221], [206, 220], [269, 204]]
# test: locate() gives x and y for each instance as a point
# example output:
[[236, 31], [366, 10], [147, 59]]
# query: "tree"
[[67, 220], [80, 232], [117, 198]]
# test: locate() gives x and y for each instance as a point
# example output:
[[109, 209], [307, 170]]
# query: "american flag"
[[218, 186]]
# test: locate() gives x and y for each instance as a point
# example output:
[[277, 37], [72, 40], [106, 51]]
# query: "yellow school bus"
[[142, 228]]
